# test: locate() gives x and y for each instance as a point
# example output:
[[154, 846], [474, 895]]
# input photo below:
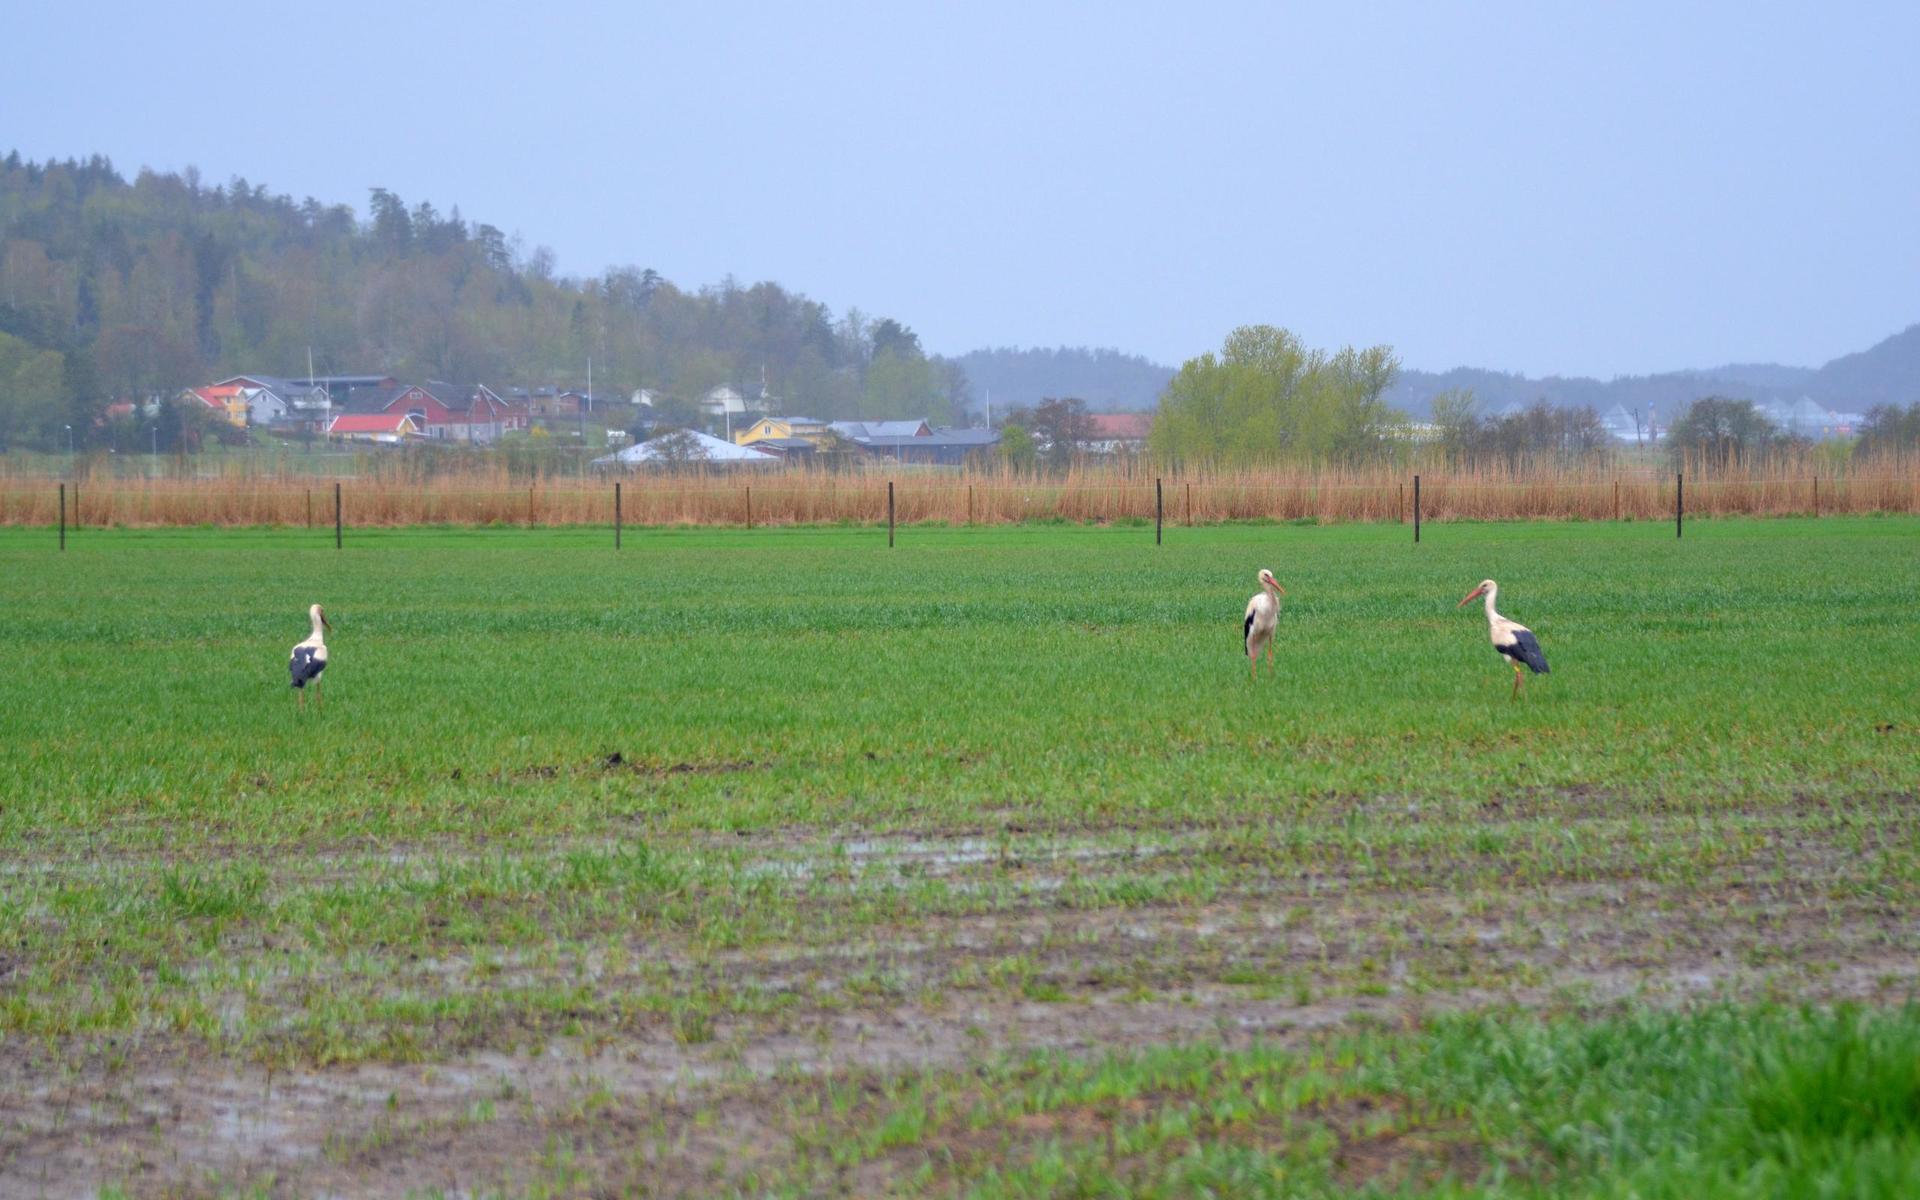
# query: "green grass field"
[[785, 863]]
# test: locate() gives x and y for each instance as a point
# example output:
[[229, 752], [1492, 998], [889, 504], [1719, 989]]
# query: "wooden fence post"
[[1416, 510], [1679, 502], [1616, 499], [616, 514], [309, 508], [529, 508], [1816, 496], [336, 516], [969, 504], [63, 516], [1189, 504], [889, 514], [1158, 509], [749, 506]]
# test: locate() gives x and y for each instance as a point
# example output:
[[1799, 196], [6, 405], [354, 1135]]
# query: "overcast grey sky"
[[1623, 190]]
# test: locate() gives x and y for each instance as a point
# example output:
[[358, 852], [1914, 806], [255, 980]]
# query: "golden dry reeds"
[[1087, 494]]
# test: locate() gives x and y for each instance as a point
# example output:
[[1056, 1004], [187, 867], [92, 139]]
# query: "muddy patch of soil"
[[167, 1122]]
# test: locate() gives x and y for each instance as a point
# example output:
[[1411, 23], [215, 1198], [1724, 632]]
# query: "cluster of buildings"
[[768, 440], [1806, 418], [381, 409], [1803, 418], [900, 441], [772, 440]]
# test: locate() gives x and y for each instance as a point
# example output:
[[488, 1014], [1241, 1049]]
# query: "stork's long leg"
[[1516, 681]]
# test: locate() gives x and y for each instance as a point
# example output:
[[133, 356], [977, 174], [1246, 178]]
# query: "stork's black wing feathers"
[[1525, 648], [305, 665], [1246, 634]]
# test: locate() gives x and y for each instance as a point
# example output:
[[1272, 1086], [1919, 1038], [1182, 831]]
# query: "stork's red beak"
[[324, 621], [1277, 587], [1470, 595]]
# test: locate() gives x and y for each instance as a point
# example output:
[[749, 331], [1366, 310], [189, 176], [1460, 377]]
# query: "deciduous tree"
[[1266, 397], [1718, 431]]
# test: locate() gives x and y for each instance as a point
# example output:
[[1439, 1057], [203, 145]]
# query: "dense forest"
[[112, 288]]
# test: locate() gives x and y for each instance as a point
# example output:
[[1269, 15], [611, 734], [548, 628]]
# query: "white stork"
[[1263, 614], [310, 657], [1514, 641]]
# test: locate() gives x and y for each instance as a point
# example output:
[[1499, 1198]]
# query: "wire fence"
[[805, 498]]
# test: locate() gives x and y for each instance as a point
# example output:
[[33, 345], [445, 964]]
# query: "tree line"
[[116, 288], [1266, 397]]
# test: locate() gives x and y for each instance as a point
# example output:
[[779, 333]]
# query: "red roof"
[[1121, 425], [370, 423]]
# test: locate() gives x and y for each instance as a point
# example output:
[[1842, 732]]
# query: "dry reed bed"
[[805, 497]]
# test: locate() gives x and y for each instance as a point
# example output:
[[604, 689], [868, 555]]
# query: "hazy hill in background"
[[111, 287], [1888, 373], [116, 287], [1107, 380]]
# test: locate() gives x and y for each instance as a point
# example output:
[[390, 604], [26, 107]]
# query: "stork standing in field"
[[310, 657], [1263, 615], [1514, 641]]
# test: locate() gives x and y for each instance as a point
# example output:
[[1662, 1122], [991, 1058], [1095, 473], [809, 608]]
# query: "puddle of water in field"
[[923, 858], [250, 1126]]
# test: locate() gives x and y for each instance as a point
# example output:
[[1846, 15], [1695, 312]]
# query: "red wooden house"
[[451, 412]]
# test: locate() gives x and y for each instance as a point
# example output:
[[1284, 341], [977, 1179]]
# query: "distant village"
[[380, 410], [1803, 418]]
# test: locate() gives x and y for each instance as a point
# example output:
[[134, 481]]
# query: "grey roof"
[[939, 437], [864, 430], [286, 389], [371, 399], [450, 394], [347, 381], [460, 396], [786, 443]]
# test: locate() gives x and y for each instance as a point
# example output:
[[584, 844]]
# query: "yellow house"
[[227, 400], [805, 428]]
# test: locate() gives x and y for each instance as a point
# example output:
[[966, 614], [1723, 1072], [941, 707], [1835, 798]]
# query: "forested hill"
[[1106, 379], [1887, 373], [111, 287]]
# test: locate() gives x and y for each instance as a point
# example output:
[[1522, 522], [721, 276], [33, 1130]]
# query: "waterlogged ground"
[[777, 864]]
